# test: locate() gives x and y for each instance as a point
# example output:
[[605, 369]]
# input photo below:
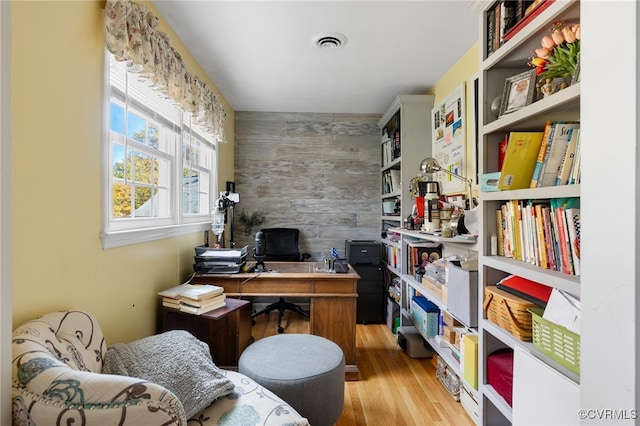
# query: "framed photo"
[[518, 92]]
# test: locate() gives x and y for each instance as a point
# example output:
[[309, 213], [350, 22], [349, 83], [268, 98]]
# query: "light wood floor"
[[394, 389]]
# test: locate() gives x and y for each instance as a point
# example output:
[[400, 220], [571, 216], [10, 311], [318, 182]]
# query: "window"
[[160, 169]]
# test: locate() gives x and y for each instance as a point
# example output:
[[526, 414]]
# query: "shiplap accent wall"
[[316, 172]]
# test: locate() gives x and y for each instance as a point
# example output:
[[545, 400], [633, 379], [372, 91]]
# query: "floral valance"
[[132, 36]]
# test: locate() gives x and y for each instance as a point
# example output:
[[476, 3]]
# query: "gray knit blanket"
[[175, 360]]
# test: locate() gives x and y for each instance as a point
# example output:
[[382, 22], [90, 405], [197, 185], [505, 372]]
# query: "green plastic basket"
[[556, 341]]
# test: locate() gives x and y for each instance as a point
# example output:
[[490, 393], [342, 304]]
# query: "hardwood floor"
[[394, 389]]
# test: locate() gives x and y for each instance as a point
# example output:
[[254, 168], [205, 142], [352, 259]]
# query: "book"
[[223, 253], [520, 160], [575, 167], [542, 243], [567, 161], [201, 310], [573, 227], [541, 153], [529, 290], [500, 225], [192, 291], [203, 302], [556, 149]]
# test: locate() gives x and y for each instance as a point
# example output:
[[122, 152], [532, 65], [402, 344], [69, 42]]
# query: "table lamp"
[[430, 165]]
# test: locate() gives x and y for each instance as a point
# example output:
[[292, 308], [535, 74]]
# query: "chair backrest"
[[282, 244]]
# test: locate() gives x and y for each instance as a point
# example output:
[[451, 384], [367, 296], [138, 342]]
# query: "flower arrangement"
[[558, 56]]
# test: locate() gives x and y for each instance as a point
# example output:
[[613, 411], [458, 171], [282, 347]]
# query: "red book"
[[527, 289], [502, 151]]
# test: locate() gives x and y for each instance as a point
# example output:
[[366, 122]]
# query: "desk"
[[332, 298], [226, 330]]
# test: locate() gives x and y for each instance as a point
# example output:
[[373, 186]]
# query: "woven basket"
[[509, 312]]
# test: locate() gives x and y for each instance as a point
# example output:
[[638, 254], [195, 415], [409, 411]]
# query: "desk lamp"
[[430, 165], [227, 200]]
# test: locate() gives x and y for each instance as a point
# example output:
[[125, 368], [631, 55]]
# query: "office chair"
[[282, 245]]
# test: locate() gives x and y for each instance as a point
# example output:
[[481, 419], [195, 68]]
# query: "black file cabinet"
[[364, 256]]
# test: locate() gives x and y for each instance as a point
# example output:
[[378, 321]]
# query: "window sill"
[[124, 238]]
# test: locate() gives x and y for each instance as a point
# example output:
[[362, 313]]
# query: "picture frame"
[[518, 92]]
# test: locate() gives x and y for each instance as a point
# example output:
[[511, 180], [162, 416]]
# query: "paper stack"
[[194, 299], [210, 260]]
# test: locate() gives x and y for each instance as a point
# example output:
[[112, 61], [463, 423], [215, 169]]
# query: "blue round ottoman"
[[306, 371]]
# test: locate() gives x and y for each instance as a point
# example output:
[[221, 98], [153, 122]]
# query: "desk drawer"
[[336, 286]]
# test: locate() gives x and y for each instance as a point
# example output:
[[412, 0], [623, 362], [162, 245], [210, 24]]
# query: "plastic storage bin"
[[556, 341], [425, 316]]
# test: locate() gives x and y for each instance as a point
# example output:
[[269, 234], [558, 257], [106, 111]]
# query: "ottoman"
[[306, 371]]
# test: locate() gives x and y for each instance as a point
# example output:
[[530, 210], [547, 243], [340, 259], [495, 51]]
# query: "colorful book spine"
[[541, 153]]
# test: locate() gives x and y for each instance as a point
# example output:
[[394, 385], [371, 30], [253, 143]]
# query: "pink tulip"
[[543, 52], [576, 30], [568, 35], [548, 43], [557, 37]]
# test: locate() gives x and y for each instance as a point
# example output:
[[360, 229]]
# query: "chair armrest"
[[305, 256], [95, 399]]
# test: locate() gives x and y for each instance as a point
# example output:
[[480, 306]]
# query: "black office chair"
[[282, 245]]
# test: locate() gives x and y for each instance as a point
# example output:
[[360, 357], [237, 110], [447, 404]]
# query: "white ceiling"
[[261, 56]]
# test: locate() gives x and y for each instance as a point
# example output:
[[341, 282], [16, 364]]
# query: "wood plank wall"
[[316, 172]]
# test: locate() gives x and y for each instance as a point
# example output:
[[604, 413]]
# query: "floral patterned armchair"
[[58, 361]]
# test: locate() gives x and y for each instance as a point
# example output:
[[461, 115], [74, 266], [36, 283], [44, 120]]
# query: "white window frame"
[[118, 232]]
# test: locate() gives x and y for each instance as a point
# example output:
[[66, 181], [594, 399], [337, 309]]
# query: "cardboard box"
[[450, 334], [450, 320], [434, 287], [470, 350]]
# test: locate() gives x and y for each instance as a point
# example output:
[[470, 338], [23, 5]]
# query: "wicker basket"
[[556, 341], [509, 312]]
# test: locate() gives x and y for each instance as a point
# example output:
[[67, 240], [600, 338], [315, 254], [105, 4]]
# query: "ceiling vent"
[[329, 40]]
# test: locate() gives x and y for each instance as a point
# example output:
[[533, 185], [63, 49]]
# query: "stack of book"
[[211, 260], [194, 299]]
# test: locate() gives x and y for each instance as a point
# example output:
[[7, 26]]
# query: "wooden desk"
[[227, 330], [332, 296]]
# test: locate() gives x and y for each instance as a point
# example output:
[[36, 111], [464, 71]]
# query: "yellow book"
[[520, 160], [542, 251]]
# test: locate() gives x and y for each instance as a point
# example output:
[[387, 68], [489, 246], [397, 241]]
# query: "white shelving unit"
[[411, 116], [461, 246], [510, 59]]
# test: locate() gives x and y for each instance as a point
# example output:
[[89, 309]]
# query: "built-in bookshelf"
[[502, 57]]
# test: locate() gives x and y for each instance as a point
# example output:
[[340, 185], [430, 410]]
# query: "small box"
[[433, 286], [469, 403], [450, 320], [470, 350], [450, 334], [489, 182], [412, 343]]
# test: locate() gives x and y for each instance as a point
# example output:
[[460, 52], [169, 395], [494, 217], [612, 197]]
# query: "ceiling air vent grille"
[[329, 40]]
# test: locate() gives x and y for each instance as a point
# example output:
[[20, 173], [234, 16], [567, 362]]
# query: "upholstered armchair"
[[57, 366], [59, 378]]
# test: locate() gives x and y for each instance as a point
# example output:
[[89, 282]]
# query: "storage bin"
[[425, 316], [509, 312], [556, 341], [462, 297]]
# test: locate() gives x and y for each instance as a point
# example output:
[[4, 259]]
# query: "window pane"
[[144, 202], [136, 128], [116, 118], [153, 136], [145, 168], [121, 200], [119, 162]]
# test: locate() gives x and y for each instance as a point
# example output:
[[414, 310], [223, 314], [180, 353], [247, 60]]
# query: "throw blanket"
[[175, 360]]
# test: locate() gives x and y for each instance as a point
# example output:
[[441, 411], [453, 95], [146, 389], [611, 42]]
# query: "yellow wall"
[[465, 70], [57, 104]]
